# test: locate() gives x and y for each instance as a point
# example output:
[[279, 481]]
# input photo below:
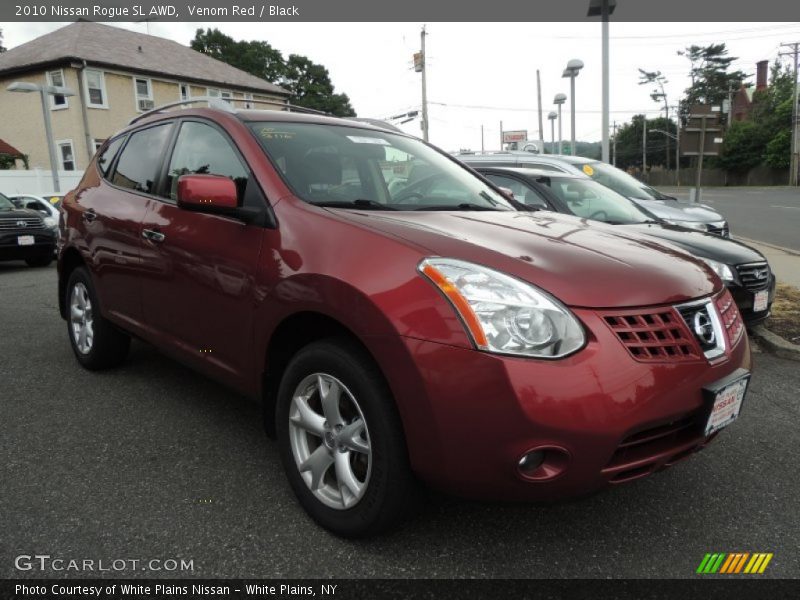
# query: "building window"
[[248, 97], [57, 101], [186, 91], [144, 94], [226, 96], [96, 88], [212, 93], [66, 155], [98, 144]]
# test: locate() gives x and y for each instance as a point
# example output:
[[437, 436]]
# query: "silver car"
[[694, 216]]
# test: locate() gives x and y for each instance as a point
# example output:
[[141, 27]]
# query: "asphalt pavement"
[[153, 461], [764, 214]]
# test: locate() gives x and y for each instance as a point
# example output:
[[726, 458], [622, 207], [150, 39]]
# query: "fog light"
[[531, 461]]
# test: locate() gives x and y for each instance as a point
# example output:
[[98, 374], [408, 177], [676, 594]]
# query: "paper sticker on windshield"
[[588, 170], [367, 140], [270, 133]]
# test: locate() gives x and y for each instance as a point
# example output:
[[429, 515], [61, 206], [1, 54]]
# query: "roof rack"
[[224, 105]]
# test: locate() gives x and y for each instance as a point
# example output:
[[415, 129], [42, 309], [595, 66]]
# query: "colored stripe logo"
[[734, 563]]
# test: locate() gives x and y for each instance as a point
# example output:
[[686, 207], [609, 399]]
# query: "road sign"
[[703, 133]]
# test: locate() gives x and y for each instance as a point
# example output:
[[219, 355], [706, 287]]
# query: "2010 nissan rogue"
[[395, 336]]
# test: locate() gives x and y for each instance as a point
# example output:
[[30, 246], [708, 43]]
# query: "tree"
[[2, 48], [308, 82], [711, 80], [311, 87], [766, 136], [629, 142]]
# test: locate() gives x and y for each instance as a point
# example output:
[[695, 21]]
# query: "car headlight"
[[50, 222], [698, 225], [503, 314], [724, 271]]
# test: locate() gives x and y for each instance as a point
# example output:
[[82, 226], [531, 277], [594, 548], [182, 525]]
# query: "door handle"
[[153, 236], [89, 215]]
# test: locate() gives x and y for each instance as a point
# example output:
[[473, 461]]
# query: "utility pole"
[[501, 136], [794, 160], [678, 147], [424, 86], [539, 95], [605, 12], [614, 154], [482, 138]]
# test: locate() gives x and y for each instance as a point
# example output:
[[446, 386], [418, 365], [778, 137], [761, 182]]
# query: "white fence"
[[38, 181]]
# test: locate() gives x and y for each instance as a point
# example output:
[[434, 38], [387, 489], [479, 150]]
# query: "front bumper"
[[605, 417], [744, 300], [44, 243]]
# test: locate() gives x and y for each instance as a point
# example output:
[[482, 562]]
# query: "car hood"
[[675, 211], [698, 243], [20, 212], [582, 263]]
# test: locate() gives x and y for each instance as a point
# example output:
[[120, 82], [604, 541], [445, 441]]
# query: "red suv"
[[398, 317]]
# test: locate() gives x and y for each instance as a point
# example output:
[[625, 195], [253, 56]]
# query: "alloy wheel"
[[80, 318], [330, 441]]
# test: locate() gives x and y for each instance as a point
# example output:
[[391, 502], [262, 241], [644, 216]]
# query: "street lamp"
[[603, 9], [559, 100], [552, 115], [573, 68], [45, 91]]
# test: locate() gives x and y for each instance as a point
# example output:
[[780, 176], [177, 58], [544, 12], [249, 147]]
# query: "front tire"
[[97, 344], [341, 442]]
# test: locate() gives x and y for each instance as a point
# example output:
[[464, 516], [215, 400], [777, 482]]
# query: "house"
[[9, 155], [742, 99], [116, 74]]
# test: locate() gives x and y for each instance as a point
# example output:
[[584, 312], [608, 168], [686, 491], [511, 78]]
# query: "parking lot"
[[152, 461]]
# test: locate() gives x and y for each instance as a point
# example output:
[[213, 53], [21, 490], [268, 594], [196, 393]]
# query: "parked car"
[[693, 216], [24, 235], [434, 333], [744, 270], [40, 204]]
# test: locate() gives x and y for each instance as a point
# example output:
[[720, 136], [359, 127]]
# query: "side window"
[[522, 192], [140, 161], [202, 149], [107, 157]]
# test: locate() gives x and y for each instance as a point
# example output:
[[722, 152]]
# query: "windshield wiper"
[[360, 203], [462, 206]]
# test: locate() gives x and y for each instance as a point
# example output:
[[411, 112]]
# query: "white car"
[[41, 204]]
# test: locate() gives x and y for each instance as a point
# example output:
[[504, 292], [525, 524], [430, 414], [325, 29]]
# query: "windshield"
[[349, 167], [619, 181], [5, 203], [590, 200]]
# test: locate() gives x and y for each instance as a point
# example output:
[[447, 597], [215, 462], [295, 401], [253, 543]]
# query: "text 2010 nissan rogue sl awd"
[[394, 336]]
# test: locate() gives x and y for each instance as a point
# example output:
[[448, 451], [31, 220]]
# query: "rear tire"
[[40, 261], [341, 441], [97, 344]]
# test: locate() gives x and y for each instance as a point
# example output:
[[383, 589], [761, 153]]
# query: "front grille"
[[754, 276], [14, 223], [641, 453], [731, 318], [653, 335], [722, 230]]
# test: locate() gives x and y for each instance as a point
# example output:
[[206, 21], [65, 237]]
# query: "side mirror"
[[506, 191], [206, 193]]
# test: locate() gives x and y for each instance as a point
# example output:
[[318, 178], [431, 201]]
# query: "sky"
[[482, 73]]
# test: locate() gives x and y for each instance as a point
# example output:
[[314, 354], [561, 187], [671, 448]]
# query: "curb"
[[775, 343], [767, 244]]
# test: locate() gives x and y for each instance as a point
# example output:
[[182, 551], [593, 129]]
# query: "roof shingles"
[[104, 45]]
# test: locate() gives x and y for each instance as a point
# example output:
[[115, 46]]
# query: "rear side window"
[[107, 156], [141, 159], [202, 149]]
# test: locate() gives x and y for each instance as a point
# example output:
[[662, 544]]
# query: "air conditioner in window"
[[145, 105]]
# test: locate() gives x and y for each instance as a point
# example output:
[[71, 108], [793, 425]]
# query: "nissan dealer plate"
[[25, 240], [760, 301], [727, 401]]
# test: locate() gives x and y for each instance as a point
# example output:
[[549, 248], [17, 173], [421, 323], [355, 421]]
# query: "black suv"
[[23, 235]]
